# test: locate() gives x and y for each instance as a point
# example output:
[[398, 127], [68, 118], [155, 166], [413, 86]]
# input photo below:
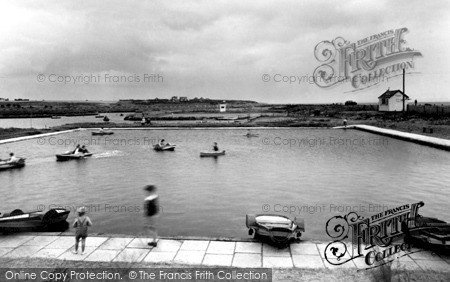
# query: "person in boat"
[[151, 210], [76, 150], [83, 150], [11, 159], [81, 224], [215, 147]]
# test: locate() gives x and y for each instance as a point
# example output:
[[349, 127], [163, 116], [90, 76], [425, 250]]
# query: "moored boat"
[[56, 117], [429, 233], [69, 156], [105, 118], [167, 147], [251, 135], [15, 164], [212, 154], [17, 220], [102, 133], [99, 116], [278, 228]]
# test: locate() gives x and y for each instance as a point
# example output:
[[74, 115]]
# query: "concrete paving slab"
[[424, 255], [23, 252], [132, 255], [194, 245], [221, 248], [4, 251], [271, 251], [141, 243], [13, 241], [248, 247], [165, 245], [115, 243], [322, 246], [217, 260], [247, 260], [69, 255], [49, 253], [189, 257], [95, 241], [277, 262], [62, 242], [304, 248], [307, 261], [102, 255], [434, 265], [349, 264], [160, 257], [41, 241]]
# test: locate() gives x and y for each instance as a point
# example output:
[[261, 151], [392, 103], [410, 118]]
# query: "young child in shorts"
[[81, 224]]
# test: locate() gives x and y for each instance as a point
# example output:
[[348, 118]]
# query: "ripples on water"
[[210, 196]]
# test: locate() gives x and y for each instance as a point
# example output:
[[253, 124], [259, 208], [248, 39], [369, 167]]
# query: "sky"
[[109, 50]]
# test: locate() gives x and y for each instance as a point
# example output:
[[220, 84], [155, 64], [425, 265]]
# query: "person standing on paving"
[[151, 209]]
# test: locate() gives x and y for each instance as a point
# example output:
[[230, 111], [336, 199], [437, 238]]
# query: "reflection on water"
[[309, 173]]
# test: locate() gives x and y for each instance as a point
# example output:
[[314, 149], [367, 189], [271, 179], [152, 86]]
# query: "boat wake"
[[108, 154]]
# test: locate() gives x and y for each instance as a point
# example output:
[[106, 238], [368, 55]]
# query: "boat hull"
[[276, 229], [19, 164], [102, 133], [68, 157], [20, 221], [164, 148], [212, 154]]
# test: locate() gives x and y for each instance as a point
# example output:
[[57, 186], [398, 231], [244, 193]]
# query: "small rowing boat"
[[69, 156], [278, 228], [15, 164], [428, 232], [251, 135], [17, 220], [101, 133], [212, 154], [167, 147], [56, 117]]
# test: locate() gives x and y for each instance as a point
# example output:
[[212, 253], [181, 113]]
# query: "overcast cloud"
[[216, 49]]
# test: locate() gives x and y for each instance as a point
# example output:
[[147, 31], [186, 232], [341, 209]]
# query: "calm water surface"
[[315, 179]]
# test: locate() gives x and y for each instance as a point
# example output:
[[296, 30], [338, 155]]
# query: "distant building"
[[4, 99], [223, 108], [183, 99], [392, 101], [174, 99]]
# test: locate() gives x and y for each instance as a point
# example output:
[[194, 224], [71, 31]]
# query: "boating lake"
[[310, 173]]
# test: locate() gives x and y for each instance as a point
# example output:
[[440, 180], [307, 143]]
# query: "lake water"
[[330, 172]]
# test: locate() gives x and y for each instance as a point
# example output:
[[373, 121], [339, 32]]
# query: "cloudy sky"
[[216, 49]]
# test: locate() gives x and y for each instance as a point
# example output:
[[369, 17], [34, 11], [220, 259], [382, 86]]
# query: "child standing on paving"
[[81, 224]]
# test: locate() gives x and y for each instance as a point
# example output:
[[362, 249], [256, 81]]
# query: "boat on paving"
[[429, 233], [18, 220], [278, 229], [10, 165], [70, 156], [212, 154]]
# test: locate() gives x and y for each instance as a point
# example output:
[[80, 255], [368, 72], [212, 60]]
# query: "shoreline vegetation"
[[429, 120]]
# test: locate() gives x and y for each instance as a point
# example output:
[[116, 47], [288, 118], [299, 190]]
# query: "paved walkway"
[[412, 137], [196, 252]]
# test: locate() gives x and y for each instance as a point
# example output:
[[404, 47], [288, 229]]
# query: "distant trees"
[[350, 103]]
